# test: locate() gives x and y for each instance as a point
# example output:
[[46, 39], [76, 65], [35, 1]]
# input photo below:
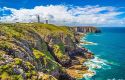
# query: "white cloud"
[[67, 15]]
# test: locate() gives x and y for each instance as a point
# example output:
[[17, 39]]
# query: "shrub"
[[38, 54], [5, 76], [57, 51], [18, 61]]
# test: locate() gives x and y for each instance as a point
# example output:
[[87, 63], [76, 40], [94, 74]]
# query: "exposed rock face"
[[85, 29], [38, 51], [81, 31]]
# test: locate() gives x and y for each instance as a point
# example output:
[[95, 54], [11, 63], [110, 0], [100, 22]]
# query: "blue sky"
[[77, 12], [32, 3]]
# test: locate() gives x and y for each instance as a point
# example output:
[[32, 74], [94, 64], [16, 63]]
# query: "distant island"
[[37, 51]]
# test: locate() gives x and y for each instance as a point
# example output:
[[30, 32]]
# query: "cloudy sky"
[[65, 12]]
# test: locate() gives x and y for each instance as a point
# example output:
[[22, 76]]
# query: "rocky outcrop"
[[85, 29], [81, 31]]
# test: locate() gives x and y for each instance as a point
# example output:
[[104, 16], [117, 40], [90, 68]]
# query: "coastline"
[[79, 70], [95, 63], [32, 50], [108, 54]]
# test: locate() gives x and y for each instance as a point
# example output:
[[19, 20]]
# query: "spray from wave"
[[95, 64]]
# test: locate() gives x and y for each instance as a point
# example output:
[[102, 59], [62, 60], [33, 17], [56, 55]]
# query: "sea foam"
[[95, 64], [88, 43]]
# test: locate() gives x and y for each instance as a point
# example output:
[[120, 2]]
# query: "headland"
[[36, 51]]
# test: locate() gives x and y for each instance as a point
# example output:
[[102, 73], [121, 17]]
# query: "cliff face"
[[85, 29], [36, 51], [81, 31]]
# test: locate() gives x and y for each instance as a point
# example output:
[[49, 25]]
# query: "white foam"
[[88, 43], [95, 64], [85, 42], [91, 43]]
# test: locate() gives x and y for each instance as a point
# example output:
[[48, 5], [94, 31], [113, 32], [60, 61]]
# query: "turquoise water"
[[110, 49]]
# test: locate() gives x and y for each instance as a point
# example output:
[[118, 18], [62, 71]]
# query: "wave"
[[88, 43], [83, 41], [95, 64]]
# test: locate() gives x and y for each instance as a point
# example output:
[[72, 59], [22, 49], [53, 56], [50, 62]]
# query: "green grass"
[[17, 29]]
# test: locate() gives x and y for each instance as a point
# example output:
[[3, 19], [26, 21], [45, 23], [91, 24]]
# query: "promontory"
[[36, 51]]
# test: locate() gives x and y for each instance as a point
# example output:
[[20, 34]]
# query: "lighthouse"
[[38, 18]]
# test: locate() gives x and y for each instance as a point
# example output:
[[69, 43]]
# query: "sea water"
[[109, 61]]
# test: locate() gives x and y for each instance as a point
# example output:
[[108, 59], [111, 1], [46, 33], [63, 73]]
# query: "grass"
[[17, 29]]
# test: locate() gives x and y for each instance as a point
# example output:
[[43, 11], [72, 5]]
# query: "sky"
[[108, 13]]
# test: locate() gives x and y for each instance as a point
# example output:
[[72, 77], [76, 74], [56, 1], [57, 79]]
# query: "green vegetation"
[[29, 65], [5, 76], [18, 61], [38, 54], [61, 46], [48, 55], [10, 30], [20, 29], [48, 62], [1, 54], [5, 44], [10, 70], [24, 50], [58, 52]]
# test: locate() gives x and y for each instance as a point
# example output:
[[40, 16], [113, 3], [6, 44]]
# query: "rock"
[[66, 77], [85, 29], [89, 55], [75, 62], [56, 73]]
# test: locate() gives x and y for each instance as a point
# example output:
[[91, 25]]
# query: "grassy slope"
[[9, 32]]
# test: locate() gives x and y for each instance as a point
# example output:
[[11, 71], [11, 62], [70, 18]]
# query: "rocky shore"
[[36, 51], [77, 69]]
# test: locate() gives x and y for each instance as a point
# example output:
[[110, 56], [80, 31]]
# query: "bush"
[[5, 76], [38, 54], [18, 61]]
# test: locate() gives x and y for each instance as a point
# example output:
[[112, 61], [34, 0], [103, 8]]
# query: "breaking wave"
[[95, 64]]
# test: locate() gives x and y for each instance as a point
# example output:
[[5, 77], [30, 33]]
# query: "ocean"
[[109, 49]]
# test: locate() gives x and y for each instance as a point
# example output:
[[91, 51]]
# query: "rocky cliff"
[[85, 29], [81, 31], [35, 51]]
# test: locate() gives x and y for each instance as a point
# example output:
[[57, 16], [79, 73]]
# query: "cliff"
[[85, 29], [81, 31], [36, 51]]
